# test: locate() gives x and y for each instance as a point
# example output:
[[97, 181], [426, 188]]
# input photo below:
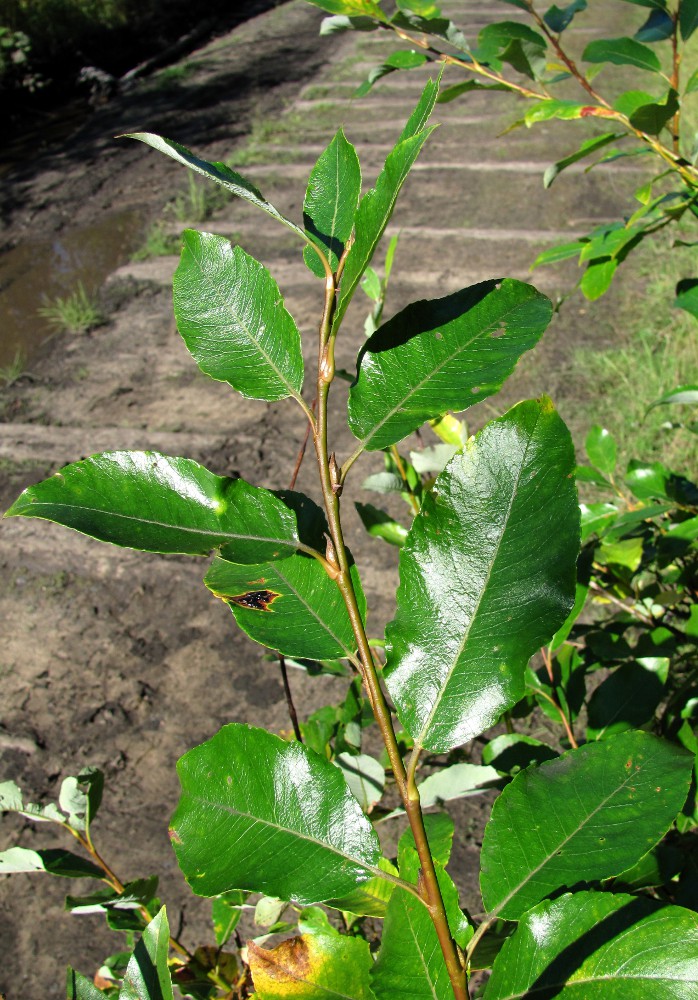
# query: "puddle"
[[36, 271]]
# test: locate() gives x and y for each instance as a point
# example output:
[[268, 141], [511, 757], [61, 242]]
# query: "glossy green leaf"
[[558, 18], [79, 987], [588, 147], [377, 205], [144, 500], [512, 752], [140, 892], [410, 962], [545, 111], [147, 973], [688, 18], [467, 620], [260, 814], [12, 800], [231, 316], [365, 777], [602, 449], [622, 52], [330, 203], [683, 394], [592, 945], [216, 171], [290, 605], [586, 816], [443, 354], [55, 861], [317, 966]]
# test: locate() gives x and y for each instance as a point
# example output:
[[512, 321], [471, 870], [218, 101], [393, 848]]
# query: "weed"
[[158, 243], [75, 313], [197, 203], [9, 374]]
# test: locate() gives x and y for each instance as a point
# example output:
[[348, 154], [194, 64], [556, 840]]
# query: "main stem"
[[338, 558]]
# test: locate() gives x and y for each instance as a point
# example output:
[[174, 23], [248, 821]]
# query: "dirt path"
[[121, 659]]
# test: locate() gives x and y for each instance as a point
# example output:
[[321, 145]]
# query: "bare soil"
[[121, 659]]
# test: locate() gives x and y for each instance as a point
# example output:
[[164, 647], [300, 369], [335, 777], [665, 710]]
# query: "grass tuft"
[[9, 374], [75, 313], [158, 243]]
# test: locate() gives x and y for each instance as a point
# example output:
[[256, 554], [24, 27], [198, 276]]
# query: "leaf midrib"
[[514, 495], [258, 820], [313, 612], [204, 532], [534, 871], [226, 303], [435, 371]]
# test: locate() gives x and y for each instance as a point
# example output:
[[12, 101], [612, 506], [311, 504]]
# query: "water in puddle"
[[36, 271]]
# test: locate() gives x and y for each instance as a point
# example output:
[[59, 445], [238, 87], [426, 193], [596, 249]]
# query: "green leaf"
[[340, 22], [563, 251], [226, 911], [439, 829], [330, 203], [317, 966], [687, 296], [586, 816], [401, 59], [410, 962], [423, 8], [371, 898], [144, 500], [81, 796], [467, 620], [692, 84], [79, 987], [55, 861], [656, 4], [512, 752], [290, 605], [231, 316], [627, 699], [456, 782], [653, 117], [602, 449], [588, 147], [658, 27], [597, 278], [140, 892], [216, 171], [686, 395], [593, 944], [365, 777], [443, 354], [273, 817], [376, 206], [622, 52], [688, 18], [381, 525], [147, 973], [558, 18], [352, 8], [547, 110]]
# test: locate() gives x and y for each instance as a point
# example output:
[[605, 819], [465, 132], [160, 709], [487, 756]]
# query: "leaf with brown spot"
[[312, 967]]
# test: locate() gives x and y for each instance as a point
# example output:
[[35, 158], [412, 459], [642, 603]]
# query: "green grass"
[[174, 74], [655, 349], [198, 201], [158, 243], [9, 374], [75, 313]]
